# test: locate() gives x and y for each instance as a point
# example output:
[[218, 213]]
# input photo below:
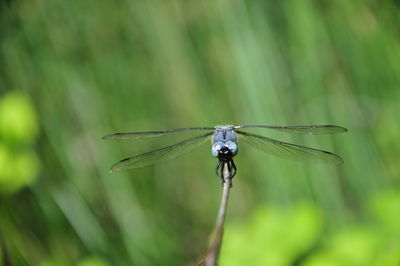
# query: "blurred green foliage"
[[272, 236], [19, 164], [276, 237], [73, 71]]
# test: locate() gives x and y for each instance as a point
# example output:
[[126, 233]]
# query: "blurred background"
[[74, 71]]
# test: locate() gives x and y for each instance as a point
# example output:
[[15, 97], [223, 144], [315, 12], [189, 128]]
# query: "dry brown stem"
[[214, 248]]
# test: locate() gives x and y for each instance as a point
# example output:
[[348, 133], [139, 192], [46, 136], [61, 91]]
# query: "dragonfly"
[[224, 146]]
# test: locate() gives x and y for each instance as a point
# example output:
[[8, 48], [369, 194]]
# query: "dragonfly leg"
[[229, 165], [234, 168], [217, 168], [221, 166], [221, 176]]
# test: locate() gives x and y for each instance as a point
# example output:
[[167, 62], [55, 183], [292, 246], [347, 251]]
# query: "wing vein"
[[160, 155], [150, 134], [289, 151], [312, 130]]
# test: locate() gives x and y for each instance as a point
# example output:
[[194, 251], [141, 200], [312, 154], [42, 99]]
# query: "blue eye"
[[216, 148], [231, 146]]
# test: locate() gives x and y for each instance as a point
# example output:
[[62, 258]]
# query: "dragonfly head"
[[224, 150]]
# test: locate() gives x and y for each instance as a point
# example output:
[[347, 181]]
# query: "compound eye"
[[231, 146], [217, 146]]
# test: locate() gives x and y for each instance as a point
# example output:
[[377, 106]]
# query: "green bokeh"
[[18, 123], [273, 236], [19, 164], [73, 71]]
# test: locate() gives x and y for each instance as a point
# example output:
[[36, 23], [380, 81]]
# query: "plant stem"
[[214, 248]]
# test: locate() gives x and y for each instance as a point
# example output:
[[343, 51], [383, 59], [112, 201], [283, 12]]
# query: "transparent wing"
[[311, 130], [151, 134], [160, 155], [289, 151]]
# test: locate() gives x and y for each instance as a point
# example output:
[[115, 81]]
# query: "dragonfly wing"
[[160, 155], [289, 151], [311, 130], [150, 134]]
